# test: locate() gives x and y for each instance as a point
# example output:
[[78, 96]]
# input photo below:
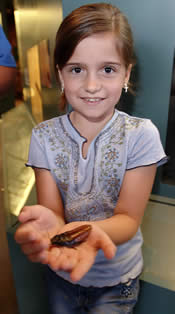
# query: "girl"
[[94, 165]]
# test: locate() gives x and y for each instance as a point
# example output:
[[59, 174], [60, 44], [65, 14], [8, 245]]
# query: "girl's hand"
[[38, 225], [79, 260]]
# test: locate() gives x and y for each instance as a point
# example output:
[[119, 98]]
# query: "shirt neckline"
[[75, 133]]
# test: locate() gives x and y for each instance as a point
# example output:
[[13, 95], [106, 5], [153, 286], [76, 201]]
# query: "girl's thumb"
[[29, 213]]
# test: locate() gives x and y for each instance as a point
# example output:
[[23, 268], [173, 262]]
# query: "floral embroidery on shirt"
[[61, 161], [133, 122], [100, 201], [111, 155]]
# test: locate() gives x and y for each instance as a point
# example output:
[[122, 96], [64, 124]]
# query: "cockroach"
[[73, 237]]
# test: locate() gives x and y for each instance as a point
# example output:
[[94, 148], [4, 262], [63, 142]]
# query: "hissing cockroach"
[[73, 237]]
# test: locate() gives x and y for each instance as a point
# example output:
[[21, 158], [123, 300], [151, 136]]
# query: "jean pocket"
[[129, 289]]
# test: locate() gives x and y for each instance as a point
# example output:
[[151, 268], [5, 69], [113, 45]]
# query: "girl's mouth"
[[92, 100]]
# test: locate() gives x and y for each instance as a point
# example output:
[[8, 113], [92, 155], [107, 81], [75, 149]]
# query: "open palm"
[[39, 224], [79, 260]]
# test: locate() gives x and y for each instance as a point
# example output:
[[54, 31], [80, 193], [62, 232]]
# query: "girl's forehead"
[[99, 39], [98, 45]]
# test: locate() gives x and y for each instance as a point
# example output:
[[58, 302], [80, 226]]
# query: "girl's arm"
[[133, 198], [40, 222], [48, 194]]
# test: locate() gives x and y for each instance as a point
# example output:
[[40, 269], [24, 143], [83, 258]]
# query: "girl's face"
[[94, 76]]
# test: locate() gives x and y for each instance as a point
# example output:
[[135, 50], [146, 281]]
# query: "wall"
[[153, 25]]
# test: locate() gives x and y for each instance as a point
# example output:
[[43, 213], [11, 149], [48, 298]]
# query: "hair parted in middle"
[[88, 20]]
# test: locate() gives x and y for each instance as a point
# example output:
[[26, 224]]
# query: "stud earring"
[[125, 87]]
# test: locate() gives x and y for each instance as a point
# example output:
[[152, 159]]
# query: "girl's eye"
[[108, 70], [76, 70]]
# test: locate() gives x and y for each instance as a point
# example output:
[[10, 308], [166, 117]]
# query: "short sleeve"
[[145, 147], [6, 58], [37, 154]]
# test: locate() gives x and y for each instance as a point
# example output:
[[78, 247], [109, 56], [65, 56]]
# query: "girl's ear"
[[128, 73], [60, 78]]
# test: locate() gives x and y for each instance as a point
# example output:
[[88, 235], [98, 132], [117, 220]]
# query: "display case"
[[18, 180]]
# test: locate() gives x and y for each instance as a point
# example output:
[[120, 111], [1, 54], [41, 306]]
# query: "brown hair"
[[88, 20]]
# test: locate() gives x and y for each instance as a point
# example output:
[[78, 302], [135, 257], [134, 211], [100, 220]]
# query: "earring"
[[125, 87]]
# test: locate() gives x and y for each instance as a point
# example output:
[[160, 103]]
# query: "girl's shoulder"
[[129, 120], [134, 124], [48, 127]]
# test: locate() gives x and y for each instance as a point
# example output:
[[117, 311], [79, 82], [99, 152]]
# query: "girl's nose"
[[92, 84]]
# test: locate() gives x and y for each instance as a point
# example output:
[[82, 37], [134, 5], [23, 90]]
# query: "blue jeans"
[[67, 298]]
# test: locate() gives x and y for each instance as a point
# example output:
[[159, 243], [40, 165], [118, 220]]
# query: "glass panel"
[[35, 50], [17, 125], [8, 301]]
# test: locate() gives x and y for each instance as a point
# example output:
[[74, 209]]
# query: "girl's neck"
[[88, 128]]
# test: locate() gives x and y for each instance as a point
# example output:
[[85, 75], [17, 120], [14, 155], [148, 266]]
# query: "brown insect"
[[73, 237]]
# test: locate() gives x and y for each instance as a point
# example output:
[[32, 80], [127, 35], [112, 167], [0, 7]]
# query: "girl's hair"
[[88, 20]]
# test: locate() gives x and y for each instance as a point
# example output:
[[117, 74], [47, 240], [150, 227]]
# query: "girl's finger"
[[34, 247], [25, 234], [41, 257], [108, 247], [69, 259], [82, 267], [69, 264], [54, 258]]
